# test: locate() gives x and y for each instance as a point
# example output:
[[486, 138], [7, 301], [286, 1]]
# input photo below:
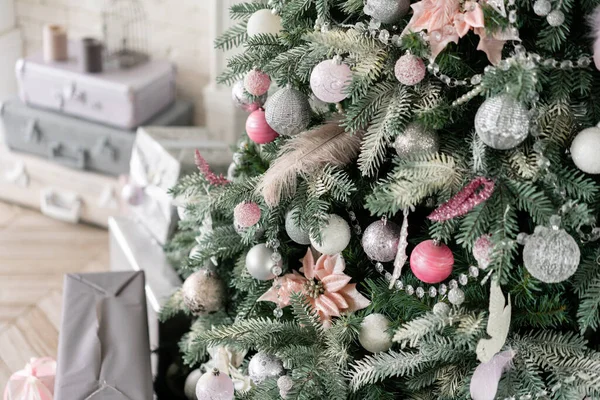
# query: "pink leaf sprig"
[[476, 192], [210, 176]]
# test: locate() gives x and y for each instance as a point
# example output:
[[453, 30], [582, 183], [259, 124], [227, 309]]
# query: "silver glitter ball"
[[555, 18], [387, 11], [441, 309], [288, 112], [542, 7], [264, 366], [285, 384], [380, 240], [189, 388], [296, 233], [203, 292], [416, 140], [551, 255], [502, 122], [456, 296], [243, 100]]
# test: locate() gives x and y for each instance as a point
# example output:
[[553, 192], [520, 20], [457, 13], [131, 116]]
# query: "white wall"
[[10, 49]]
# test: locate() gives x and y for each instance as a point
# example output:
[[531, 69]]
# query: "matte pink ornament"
[[257, 82], [246, 214], [476, 192], [329, 81], [215, 385], [409, 70], [431, 262], [258, 129], [482, 251], [35, 381]]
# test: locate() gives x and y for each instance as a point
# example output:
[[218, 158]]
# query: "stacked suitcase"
[[72, 133]]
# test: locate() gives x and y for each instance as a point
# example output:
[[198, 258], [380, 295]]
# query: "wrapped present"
[[103, 350], [160, 157], [34, 382]]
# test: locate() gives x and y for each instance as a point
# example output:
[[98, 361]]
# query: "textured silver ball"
[[456, 296], [555, 18], [259, 262], [295, 232], [285, 384], [551, 255], [264, 366], [373, 335], [502, 122], [387, 11], [189, 388], [242, 100], [203, 292], [542, 7], [416, 140], [288, 112], [585, 149], [441, 309], [380, 240]]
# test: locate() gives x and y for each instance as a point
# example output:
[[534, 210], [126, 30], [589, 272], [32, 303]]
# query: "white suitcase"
[[59, 192], [124, 98]]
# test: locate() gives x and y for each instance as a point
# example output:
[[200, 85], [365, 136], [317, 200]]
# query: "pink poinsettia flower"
[[471, 19], [324, 283], [492, 45]]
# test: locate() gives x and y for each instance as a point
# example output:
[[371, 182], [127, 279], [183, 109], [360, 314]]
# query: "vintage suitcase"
[[125, 98], [77, 143], [160, 157], [59, 192]]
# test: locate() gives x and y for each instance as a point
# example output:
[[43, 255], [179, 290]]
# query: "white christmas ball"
[[203, 292], [373, 335], [456, 296], [264, 21], [259, 262], [555, 18], [502, 122], [329, 80], [335, 236], [585, 150], [264, 366], [441, 308], [189, 388], [542, 7], [215, 385], [296, 233]]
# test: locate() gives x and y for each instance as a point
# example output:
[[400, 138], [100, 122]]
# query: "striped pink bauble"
[[258, 129], [431, 262]]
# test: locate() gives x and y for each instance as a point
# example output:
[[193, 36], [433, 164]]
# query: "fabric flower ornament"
[[324, 283], [472, 18]]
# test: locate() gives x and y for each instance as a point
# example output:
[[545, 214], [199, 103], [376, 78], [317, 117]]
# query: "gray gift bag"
[[104, 350]]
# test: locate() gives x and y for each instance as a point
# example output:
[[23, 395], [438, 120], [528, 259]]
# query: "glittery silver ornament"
[[387, 11], [189, 388], [441, 309], [551, 254], [243, 100], [502, 122], [264, 366], [416, 140], [456, 296], [288, 111], [203, 292], [380, 240], [259, 262], [285, 384], [542, 7], [555, 18], [295, 232]]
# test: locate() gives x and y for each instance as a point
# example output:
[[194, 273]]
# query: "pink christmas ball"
[[257, 128], [409, 70], [257, 83], [482, 251], [430, 262], [329, 80], [246, 214]]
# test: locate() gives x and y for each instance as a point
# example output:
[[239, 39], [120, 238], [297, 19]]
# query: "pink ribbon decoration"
[[34, 382], [476, 192]]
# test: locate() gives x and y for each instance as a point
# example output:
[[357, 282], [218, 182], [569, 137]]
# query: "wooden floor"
[[35, 253]]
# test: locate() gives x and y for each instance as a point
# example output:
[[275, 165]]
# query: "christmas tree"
[[412, 212]]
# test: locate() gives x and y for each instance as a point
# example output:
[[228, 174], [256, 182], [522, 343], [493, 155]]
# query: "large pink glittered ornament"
[[257, 82], [479, 190], [329, 80], [246, 214], [258, 129], [34, 382], [482, 251], [431, 262], [215, 385], [410, 70]]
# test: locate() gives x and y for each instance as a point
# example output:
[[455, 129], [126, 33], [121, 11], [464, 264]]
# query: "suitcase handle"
[[64, 206], [79, 161]]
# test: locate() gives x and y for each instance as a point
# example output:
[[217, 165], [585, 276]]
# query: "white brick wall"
[[180, 30]]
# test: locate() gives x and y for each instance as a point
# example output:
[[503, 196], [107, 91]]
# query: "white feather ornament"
[[327, 144], [498, 324], [594, 21], [484, 383]]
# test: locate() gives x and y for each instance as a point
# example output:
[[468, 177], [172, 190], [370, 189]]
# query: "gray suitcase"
[[77, 143]]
